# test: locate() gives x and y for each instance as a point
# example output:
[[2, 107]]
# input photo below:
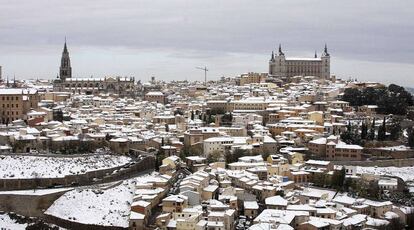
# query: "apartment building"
[[198, 135], [155, 96], [334, 149], [251, 77], [15, 103]]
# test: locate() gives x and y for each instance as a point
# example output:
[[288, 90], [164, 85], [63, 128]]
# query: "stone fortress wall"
[[28, 204]]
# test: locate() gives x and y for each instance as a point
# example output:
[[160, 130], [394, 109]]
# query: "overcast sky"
[[367, 40]]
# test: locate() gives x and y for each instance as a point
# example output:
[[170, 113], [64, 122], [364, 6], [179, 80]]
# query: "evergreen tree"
[[350, 136], [382, 131], [167, 128], [58, 115], [234, 156], [338, 178], [393, 99], [395, 129], [214, 156], [265, 155], [210, 119], [107, 137], [372, 130], [349, 127], [411, 138], [364, 131], [319, 179], [158, 159], [192, 115], [347, 135]]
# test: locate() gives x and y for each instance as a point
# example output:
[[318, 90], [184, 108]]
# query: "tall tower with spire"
[[326, 63], [277, 63], [65, 70]]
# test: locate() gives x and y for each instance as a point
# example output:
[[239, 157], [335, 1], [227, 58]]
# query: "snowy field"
[[7, 223], [105, 207], [405, 173], [36, 192], [12, 167]]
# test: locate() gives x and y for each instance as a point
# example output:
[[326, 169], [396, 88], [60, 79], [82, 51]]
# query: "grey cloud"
[[373, 30]]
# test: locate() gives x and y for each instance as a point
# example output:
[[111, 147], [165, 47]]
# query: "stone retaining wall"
[[35, 205], [28, 205], [385, 153], [103, 175], [380, 163], [74, 225]]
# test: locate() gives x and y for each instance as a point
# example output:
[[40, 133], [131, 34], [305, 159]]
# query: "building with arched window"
[[283, 67], [123, 86]]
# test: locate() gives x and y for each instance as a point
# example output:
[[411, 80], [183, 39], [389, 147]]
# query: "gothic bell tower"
[[65, 70]]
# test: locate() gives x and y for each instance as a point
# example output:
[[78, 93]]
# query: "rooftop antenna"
[[205, 74]]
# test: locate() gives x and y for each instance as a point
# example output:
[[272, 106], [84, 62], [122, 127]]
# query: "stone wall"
[[34, 205], [384, 153], [380, 163], [74, 225], [28, 205], [103, 175]]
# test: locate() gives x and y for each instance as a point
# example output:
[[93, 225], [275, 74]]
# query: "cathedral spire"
[[14, 81], [65, 48], [273, 56], [325, 51], [65, 70], [280, 50], [316, 56]]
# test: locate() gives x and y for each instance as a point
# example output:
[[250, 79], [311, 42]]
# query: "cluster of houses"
[[273, 193], [147, 197], [257, 116], [261, 117], [276, 126]]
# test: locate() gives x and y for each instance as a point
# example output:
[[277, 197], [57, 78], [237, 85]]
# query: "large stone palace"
[[281, 66], [122, 86]]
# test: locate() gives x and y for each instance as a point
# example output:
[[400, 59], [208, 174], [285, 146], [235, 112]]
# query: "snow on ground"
[[7, 223], [405, 173], [106, 207], [53, 167], [36, 192], [396, 148]]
